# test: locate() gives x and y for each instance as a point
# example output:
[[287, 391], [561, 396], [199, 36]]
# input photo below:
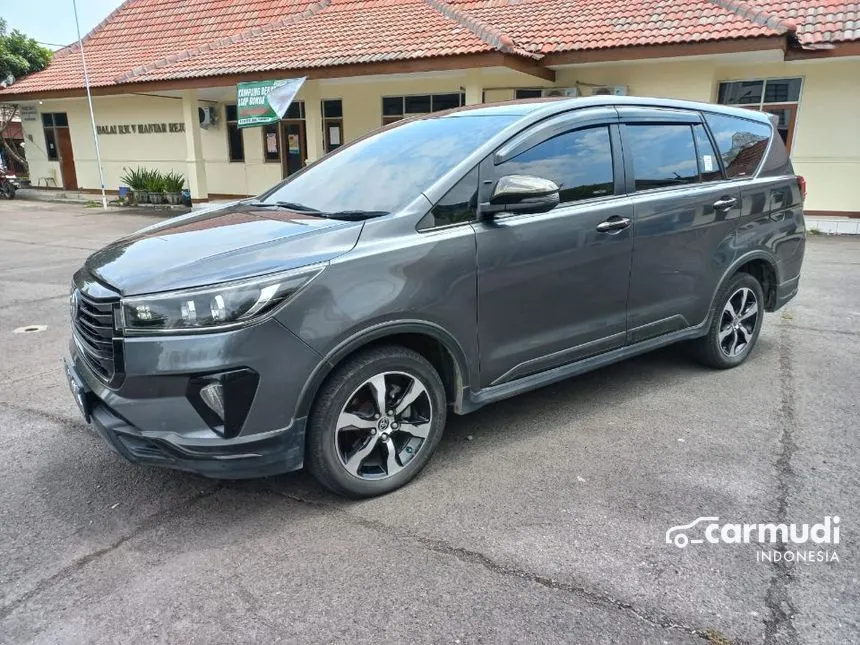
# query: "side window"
[[460, 204], [709, 167], [742, 143], [580, 162], [663, 155]]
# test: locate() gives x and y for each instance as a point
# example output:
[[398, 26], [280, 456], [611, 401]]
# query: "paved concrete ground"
[[540, 519]]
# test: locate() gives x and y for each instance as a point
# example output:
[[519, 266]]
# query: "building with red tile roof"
[[152, 61]]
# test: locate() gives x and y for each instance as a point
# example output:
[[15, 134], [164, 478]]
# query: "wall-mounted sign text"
[[29, 113], [141, 128]]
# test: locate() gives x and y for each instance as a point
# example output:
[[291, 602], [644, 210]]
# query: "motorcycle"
[[8, 185]]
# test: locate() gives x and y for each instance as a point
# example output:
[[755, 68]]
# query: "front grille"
[[93, 329]]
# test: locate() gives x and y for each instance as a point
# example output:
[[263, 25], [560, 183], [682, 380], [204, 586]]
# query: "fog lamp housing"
[[223, 400]]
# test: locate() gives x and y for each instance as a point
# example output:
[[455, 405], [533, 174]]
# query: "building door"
[[293, 145], [67, 158]]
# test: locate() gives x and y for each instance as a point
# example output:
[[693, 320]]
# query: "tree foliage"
[[19, 54]]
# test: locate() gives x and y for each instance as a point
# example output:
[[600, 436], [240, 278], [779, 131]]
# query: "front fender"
[[380, 331]]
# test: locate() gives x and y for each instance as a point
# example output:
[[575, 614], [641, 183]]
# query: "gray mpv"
[[435, 266]]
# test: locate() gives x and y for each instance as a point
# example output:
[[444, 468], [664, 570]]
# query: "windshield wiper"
[[354, 216], [293, 206]]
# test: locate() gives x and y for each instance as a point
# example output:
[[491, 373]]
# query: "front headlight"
[[212, 308]]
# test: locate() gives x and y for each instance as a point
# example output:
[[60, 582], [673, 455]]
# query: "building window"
[[777, 96], [332, 112], [579, 162], [528, 94], [395, 108], [235, 143], [51, 121], [742, 143]]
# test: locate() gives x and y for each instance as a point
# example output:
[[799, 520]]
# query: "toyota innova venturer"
[[432, 267]]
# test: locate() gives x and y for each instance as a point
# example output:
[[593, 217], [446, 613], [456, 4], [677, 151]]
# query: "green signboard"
[[264, 102]]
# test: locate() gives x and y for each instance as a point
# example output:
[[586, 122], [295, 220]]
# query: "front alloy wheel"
[[375, 422], [383, 425]]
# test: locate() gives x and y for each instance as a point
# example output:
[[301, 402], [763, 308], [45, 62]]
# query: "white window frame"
[[762, 103]]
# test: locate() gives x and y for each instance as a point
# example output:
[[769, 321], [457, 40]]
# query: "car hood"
[[230, 243]]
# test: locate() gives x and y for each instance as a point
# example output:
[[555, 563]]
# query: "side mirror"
[[522, 194]]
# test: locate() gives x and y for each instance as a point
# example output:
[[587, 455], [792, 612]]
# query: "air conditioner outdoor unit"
[[609, 90], [561, 91], [208, 116]]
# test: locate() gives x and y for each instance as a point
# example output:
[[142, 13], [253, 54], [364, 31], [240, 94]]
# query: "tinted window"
[[231, 112], [418, 104], [460, 204], [580, 162], [709, 166], [528, 94], [741, 92], [663, 155], [742, 143], [392, 105], [782, 90], [332, 108], [60, 119], [47, 119], [235, 144], [51, 144], [387, 170], [445, 101]]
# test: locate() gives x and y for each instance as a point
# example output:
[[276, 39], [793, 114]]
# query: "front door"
[[552, 287], [67, 158], [293, 144]]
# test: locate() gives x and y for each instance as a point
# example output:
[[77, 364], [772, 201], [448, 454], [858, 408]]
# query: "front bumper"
[[276, 453], [149, 418]]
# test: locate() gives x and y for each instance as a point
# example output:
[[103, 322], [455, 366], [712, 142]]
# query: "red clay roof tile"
[[151, 40]]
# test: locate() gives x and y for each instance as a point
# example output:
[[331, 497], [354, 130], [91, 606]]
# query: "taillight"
[[801, 183]]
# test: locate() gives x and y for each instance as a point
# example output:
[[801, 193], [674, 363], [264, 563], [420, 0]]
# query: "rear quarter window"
[[741, 142]]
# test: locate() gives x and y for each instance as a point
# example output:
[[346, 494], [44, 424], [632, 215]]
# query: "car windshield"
[[385, 171]]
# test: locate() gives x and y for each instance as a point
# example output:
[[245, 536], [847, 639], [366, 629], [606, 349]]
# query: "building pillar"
[[474, 88], [313, 121], [195, 165]]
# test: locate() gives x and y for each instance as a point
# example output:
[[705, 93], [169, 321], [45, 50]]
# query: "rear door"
[[552, 287], [685, 213]]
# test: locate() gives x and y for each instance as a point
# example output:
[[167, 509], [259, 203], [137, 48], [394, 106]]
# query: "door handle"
[[614, 223], [725, 203]]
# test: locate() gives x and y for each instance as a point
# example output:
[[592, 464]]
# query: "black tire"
[[325, 458], [711, 349], [8, 191]]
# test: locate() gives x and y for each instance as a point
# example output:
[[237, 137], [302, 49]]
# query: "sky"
[[53, 21]]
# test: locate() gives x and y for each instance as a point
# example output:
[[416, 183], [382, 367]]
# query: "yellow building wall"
[[826, 146]]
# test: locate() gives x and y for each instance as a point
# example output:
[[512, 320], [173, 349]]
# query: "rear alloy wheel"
[[736, 322], [376, 422]]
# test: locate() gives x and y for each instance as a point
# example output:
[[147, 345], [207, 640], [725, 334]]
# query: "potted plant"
[[155, 186], [135, 179], [173, 184]]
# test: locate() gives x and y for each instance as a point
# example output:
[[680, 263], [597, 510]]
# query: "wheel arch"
[[763, 267], [433, 342]]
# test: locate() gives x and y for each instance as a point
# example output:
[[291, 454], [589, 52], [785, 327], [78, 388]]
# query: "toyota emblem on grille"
[[73, 305]]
